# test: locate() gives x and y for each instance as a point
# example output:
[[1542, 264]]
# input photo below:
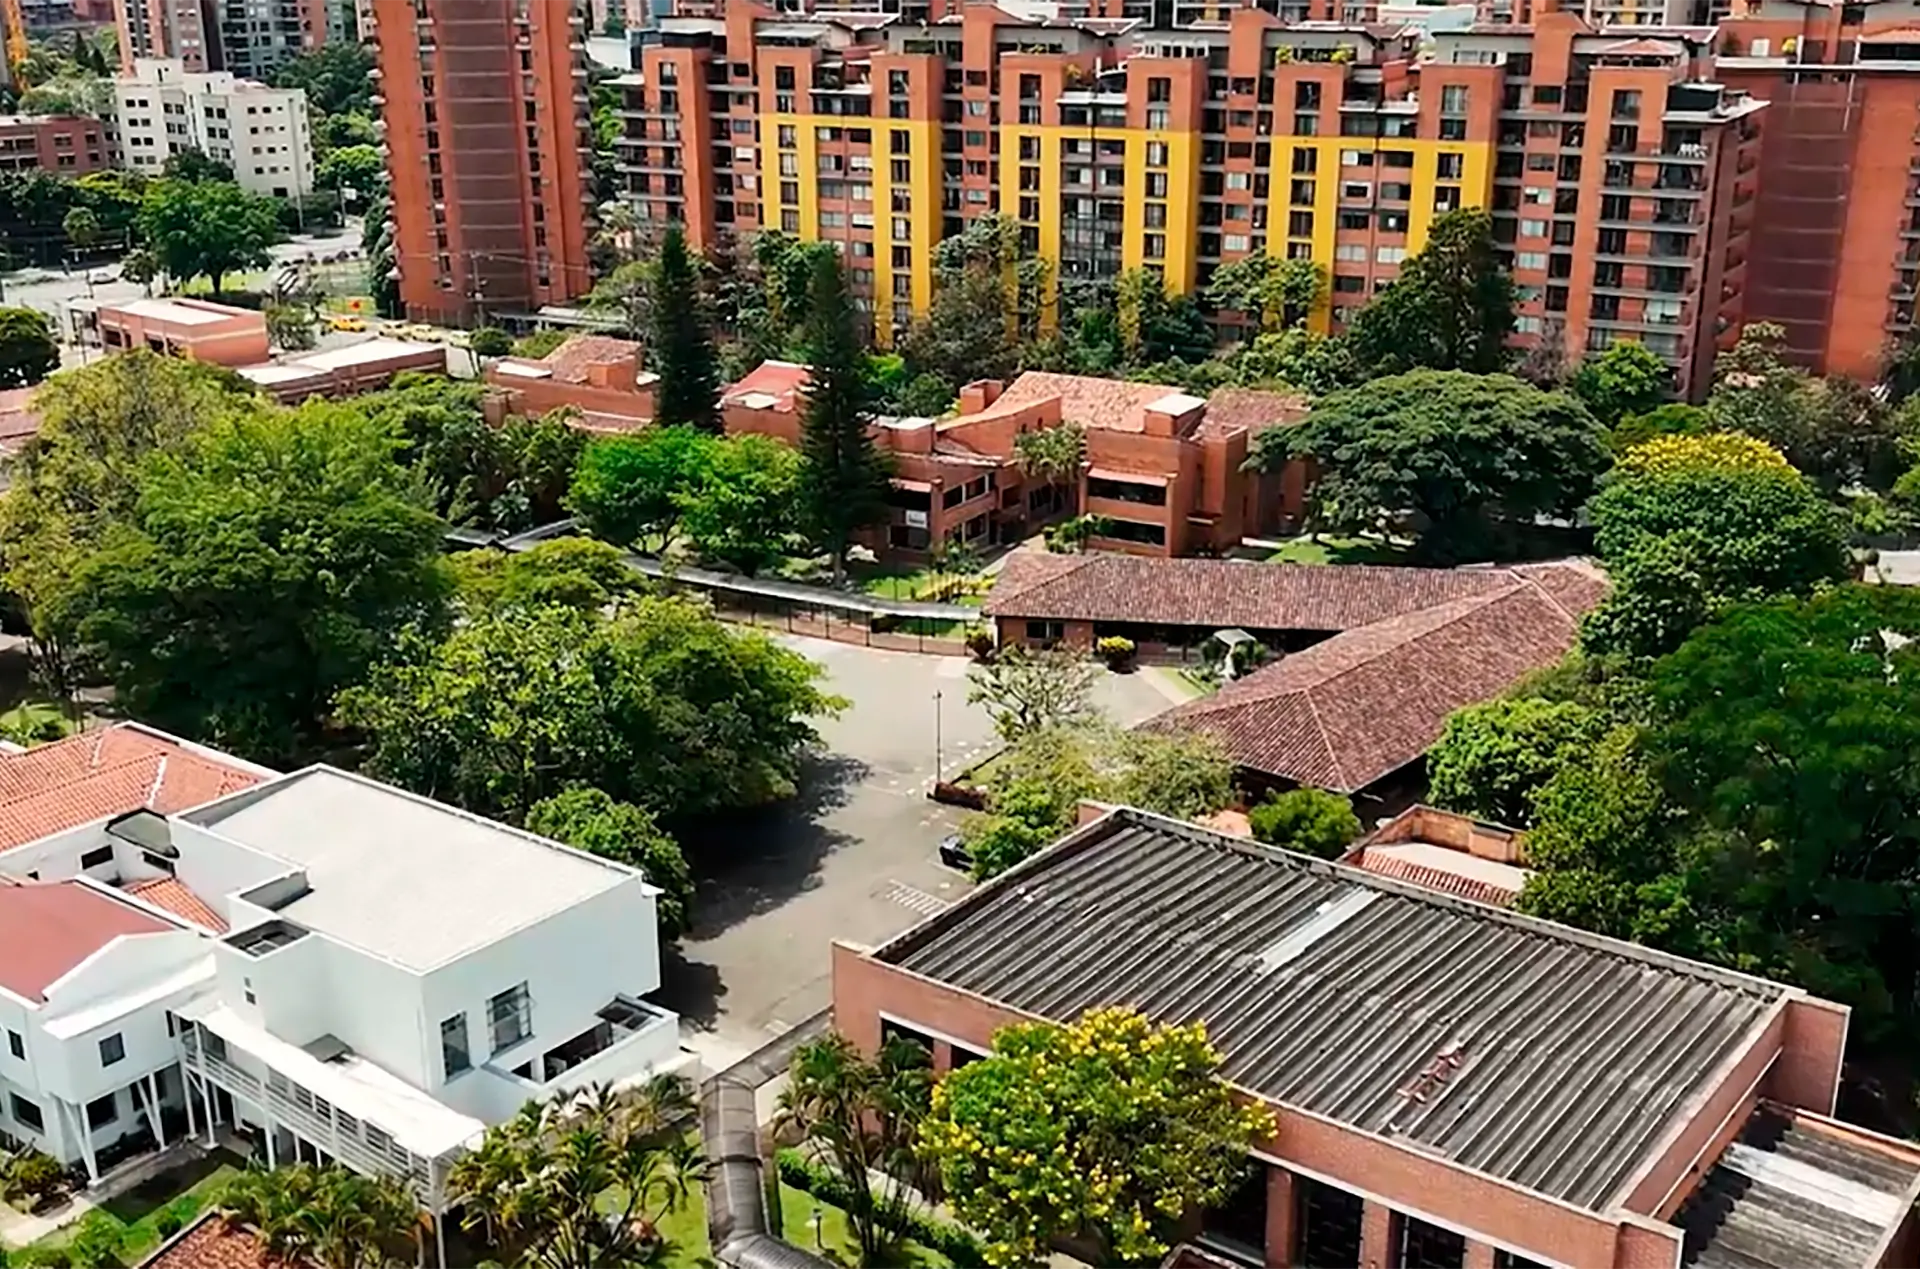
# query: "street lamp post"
[[939, 768]]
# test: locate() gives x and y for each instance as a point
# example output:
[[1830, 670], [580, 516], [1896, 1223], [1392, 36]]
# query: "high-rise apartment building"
[[485, 103], [249, 38], [1619, 174]]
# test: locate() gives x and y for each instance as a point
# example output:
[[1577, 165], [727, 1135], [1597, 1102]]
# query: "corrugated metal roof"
[[1535, 1053]]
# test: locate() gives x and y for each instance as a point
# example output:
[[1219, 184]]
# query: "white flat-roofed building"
[[262, 133], [328, 965]]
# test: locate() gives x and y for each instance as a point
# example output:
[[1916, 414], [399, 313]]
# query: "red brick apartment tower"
[[1837, 241], [186, 29], [485, 103]]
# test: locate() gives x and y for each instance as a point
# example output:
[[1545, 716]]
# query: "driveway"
[[851, 858]]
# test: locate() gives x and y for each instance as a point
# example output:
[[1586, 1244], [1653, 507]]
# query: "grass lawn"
[[836, 1240], [1339, 550], [135, 1215]]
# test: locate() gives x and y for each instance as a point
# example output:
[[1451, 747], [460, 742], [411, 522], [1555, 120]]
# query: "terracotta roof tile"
[[170, 894], [1115, 405], [1232, 409], [1360, 705], [97, 774], [1435, 879], [1102, 586], [48, 928], [213, 1243], [569, 362]]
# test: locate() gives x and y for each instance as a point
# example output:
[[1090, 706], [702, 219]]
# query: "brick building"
[[65, 145], [197, 329], [485, 103], [1453, 1084], [1621, 175]]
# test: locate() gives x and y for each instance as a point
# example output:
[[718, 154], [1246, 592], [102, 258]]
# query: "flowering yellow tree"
[[1724, 451], [1107, 1130]]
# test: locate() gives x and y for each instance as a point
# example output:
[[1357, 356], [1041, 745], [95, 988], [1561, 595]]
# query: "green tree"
[[591, 821], [1451, 308], [1671, 419], [742, 510], [844, 475], [1689, 524], [1492, 757], [82, 228], [1312, 821], [862, 1116], [583, 1180], [1625, 379], [540, 343], [490, 341], [1297, 359], [1444, 454], [337, 77], [634, 487], [1025, 690], [659, 704], [1110, 1130], [331, 1216], [291, 326], [357, 168], [1273, 294], [194, 167], [266, 564], [28, 352], [573, 572], [210, 228], [678, 343]]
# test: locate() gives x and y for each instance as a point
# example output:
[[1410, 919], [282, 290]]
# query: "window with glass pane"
[[510, 1017]]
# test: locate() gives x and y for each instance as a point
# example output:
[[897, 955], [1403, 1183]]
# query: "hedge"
[[945, 1237]]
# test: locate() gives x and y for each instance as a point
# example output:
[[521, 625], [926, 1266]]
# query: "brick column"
[[1376, 1236], [1280, 1217], [1479, 1256]]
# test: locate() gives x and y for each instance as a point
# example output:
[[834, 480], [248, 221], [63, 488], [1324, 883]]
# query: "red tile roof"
[[1348, 711], [1435, 878], [781, 380], [214, 1243], [97, 774], [47, 928], [1232, 409], [1113, 404], [1216, 594], [170, 894], [569, 362]]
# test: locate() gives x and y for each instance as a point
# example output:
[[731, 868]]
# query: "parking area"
[[851, 858]]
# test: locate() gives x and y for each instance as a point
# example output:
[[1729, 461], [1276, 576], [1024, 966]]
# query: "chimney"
[[980, 394]]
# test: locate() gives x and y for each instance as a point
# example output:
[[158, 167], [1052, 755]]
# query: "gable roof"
[[1108, 586], [47, 928], [569, 362], [1360, 705], [52, 788], [170, 894], [1252, 410], [1114, 405]]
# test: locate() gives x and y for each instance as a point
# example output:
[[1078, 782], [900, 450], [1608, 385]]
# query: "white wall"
[[214, 867], [71, 1067], [573, 962]]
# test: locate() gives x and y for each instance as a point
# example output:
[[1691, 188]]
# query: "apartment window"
[[1156, 184], [510, 1017], [455, 1054], [1389, 255], [1158, 118], [1530, 260], [1239, 180], [1156, 246], [1626, 103], [1300, 224], [1156, 154], [1236, 242], [900, 143], [18, 1046], [1037, 632], [1156, 215], [96, 858], [1351, 252], [26, 1113], [112, 1049], [1305, 161], [102, 1111], [1453, 99], [1533, 229], [1449, 167]]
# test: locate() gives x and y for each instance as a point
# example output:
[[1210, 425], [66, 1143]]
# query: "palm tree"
[[335, 1218], [863, 1117], [583, 1179], [1052, 455]]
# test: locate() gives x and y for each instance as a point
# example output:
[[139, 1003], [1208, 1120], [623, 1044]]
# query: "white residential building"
[[325, 965], [262, 133]]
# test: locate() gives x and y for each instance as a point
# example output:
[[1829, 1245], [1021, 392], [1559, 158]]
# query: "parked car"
[[954, 853], [101, 276], [350, 324]]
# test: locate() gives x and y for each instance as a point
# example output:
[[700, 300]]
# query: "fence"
[[928, 636]]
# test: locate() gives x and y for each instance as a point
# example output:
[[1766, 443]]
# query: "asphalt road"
[[853, 857]]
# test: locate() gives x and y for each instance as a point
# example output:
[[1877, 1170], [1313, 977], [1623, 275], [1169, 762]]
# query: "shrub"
[[42, 1258], [1311, 821], [490, 341], [167, 1223], [980, 645], [951, 1241], [1116, 650], [37, 1176], [96, 1243]]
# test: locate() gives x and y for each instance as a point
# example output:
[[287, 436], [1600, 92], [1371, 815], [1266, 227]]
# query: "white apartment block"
[[319, 964], [262, 133]]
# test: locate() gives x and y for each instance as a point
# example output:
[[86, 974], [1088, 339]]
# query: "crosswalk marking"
[[914, 898]]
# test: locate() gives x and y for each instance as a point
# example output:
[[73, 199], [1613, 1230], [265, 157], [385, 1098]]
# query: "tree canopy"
[[267, 561], [1312, 821], [1451, 308], [329, 1216], [28, 352], [592, 821], [211, 227], [845, 477], [1493, 757], [678, 344], [1446, 455], [1110, 1129], [659, 705], [633, 487], [1624, 380]]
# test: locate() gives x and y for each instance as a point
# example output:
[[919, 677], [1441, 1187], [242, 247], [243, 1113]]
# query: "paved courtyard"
[[851, 858]]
